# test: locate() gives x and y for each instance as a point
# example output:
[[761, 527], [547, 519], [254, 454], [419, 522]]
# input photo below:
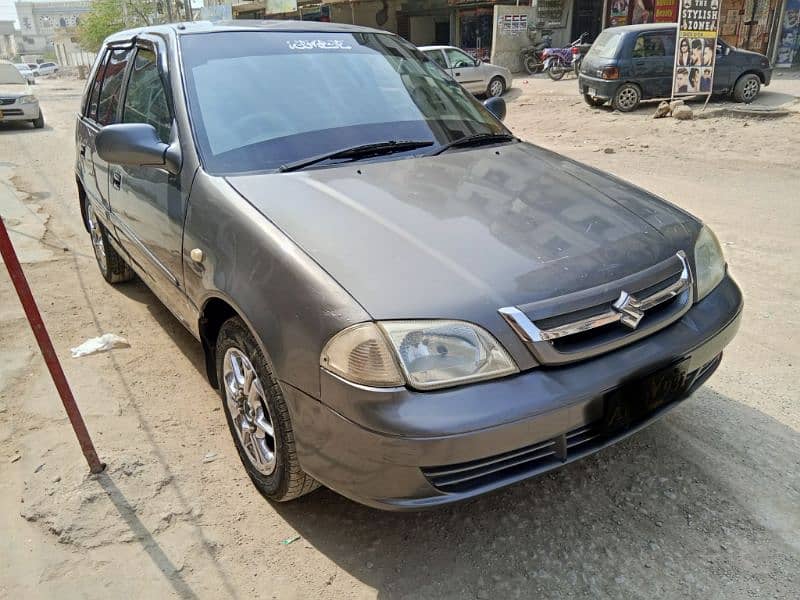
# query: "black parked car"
[[395, 296], [633, 63]]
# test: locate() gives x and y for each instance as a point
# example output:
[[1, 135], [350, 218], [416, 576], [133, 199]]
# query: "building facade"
[[39, 22], [8, 43]]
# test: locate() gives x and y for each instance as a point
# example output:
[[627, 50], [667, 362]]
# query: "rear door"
[[652, 56], [463, 69]]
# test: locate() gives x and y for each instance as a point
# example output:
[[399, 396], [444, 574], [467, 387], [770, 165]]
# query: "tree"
[[109, 16]]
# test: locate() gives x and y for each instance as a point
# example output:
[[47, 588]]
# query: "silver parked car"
[[395, 296], [17, 101], [26, 72], [476, 76], [47, 68]]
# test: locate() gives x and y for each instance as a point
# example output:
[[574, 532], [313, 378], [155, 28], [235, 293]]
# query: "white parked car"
[[476, 76], [26, 72], [17, 102], [47, 68]]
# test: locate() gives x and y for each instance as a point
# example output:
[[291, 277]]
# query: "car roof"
[[195, 27], [643, 27]]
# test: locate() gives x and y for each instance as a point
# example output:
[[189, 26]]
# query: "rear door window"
[[108, 101], [94, 94], [653, 45], [606, 44]]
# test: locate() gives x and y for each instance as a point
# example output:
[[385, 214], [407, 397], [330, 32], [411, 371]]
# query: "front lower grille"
[[549, 454], [12, 112]]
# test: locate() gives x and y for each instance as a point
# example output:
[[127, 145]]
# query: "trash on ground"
[[105, 342], [15, 458], [290, 540], [210, 457]]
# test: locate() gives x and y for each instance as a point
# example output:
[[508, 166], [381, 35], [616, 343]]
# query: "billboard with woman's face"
[[696, 50]]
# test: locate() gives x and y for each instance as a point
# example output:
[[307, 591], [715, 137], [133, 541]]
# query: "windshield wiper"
[[475, 140], [357, 152]]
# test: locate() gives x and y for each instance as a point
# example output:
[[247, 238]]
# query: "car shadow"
[[664, 513]]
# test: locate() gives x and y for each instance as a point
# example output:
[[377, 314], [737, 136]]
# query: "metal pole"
[[46, 347]]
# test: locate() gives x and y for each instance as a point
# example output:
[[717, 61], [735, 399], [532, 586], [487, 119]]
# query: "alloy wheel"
[[249, 411], [628, 98], [96, 234], [496, 88], [750, 90]]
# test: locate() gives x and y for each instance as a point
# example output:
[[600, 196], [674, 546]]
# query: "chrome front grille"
[[7, 101], [598, 320]]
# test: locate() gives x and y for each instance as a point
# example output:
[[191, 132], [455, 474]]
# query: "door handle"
[[116, 179], [457, 74], [640, 63]]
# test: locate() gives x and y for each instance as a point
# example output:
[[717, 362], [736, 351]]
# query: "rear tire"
[[112, 266], [258, 416], [747, 88], [38, 122], [556, 70], [532, 65], [592, 101], [627, 98]]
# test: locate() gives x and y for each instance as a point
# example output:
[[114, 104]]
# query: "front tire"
[[747, 88], [38, 122], [627, 98], [258, 416], [112, 266], [496, 87]]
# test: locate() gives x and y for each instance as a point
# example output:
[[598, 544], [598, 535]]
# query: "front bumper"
[[19, 112], [389, 448], [596, 87]]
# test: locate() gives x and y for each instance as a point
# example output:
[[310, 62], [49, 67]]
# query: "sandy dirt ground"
[[703, 504]]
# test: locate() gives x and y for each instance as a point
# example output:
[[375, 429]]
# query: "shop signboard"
[[789, 41], [635, 12], [696, 50]]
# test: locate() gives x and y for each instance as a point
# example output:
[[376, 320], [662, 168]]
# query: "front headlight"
[[709, 262], [431, 354], [27, 100]]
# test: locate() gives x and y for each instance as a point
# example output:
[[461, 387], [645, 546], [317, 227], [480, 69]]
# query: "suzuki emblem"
[[629, 309]]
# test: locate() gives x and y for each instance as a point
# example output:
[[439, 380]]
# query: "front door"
[[149, 204], [464, 70], [651, 63]]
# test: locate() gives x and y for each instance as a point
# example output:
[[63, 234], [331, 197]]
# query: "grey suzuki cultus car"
[[396, 298]]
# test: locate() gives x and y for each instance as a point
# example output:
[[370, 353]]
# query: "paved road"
[[703, 504]]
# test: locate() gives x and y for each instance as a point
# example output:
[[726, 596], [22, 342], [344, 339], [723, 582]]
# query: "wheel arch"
[[215, 310], [757, 72]]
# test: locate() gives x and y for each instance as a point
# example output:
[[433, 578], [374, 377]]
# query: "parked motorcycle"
[[557, 61], [531, 56]]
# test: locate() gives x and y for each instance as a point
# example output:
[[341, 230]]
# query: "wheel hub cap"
[[249, 412]]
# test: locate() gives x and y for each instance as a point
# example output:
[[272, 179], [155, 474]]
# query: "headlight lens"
[[709, 262], [431, 354], [435, 354], [27, 99]]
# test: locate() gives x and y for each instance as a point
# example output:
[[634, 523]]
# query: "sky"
[[7, 11]]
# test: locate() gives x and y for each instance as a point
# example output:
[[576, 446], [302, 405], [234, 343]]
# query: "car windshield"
[[259, 99], [606, 44], [10, 76]]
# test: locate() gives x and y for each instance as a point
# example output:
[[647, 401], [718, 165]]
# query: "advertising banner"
[[789, 41], [696, 48]]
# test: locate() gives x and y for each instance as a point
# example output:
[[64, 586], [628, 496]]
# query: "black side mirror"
[[496, 106], [478, 62], [136, 144]]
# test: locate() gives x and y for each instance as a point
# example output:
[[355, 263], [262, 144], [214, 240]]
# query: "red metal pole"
[[48, 352]]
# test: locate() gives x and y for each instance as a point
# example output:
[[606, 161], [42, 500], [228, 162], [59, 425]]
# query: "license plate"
[[592, 92], [636, 401]]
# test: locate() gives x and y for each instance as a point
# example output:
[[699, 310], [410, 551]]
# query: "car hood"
[[466, 232], [9, 90]]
